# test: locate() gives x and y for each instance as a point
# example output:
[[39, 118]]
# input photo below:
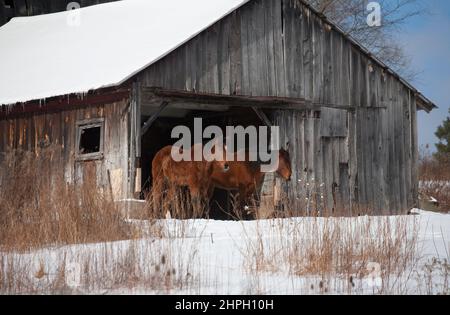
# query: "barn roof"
[[51, 55], [108, 45]]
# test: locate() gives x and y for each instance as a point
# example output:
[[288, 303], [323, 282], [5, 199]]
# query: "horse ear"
[[288, 144]]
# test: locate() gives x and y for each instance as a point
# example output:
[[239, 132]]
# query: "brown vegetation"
[[434, 174], [37, 209]]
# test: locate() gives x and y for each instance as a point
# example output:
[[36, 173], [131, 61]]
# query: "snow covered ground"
[[261, 257]]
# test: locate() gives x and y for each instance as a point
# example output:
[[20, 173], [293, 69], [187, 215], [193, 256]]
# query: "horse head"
[[218, 156], [284, 166]]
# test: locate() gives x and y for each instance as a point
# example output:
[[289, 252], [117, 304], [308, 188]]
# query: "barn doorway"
[[158, 136]]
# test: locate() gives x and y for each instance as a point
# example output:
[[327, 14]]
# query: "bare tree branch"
[[351, 16]]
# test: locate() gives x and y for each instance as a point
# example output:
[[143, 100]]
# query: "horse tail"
[[158, 176], [157, 163]]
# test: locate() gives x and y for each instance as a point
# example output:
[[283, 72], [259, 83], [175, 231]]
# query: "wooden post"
[[152, 118], [138, 140]]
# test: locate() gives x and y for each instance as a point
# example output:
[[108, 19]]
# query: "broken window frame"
[[89, 124]]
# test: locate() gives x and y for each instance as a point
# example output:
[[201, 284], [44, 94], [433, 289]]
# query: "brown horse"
[[246, 177], [195, 175]]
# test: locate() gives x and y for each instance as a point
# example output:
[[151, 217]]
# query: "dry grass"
[[177, 206], [50, 227], [106, 268], [38, 209], [338, 248], [435, 181]]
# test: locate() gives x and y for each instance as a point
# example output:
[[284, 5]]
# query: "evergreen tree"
[[443, 134]]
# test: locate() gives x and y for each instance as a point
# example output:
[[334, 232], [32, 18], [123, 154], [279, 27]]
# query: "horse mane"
[[254, 166]]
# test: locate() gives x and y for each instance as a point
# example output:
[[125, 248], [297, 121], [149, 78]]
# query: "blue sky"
[[426, 40]]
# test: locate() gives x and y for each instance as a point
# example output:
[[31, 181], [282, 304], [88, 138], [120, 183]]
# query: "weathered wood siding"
[[280, 48], [58, 130]]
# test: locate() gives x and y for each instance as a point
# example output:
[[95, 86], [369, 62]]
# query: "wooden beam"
[[262, 116], [152, 95], [152, 118], [138, 116]]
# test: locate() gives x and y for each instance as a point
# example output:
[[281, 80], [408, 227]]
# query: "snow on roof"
[[96, 47]]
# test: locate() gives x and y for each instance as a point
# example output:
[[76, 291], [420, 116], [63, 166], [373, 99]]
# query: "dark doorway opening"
[[159, 136]]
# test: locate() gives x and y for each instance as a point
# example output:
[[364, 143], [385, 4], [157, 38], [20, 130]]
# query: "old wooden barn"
[[107, 84]]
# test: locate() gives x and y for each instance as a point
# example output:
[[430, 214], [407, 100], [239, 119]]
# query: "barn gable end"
[[366, 156]]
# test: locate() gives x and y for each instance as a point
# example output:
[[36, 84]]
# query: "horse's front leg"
[[172, 203], [197, 201]]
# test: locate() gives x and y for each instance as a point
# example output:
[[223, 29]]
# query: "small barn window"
[[90, 139]]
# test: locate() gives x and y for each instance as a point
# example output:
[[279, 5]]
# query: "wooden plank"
[[335, 149], [402, 154], [344, 187], [212, 76], [327, 50], [384, 145], [235, 54], [392, 193], [301, 118], [407, 145], [337, 80], [269, 20], [345, 71], [312, 34], [319, 172], [374, 156], [65, 154], [327, 152], [279, 49], [361, 134], [153, 118], [198, 54], [223, 56], [258, 58], [396, 149], [415, 152], [296, 43], [3, 135], [309, 147], [124, 148], [245, 51]]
